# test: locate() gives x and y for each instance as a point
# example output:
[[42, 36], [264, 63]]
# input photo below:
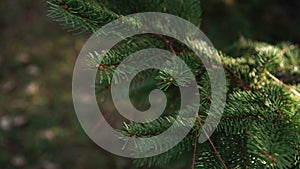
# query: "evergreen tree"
[[260, 124]]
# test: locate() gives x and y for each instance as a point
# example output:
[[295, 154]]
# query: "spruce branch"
[[257, 115]]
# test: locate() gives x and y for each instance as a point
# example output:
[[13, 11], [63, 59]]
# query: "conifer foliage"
[[260, 126]]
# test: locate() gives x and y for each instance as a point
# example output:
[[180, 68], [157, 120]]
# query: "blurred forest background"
[[38, 125]]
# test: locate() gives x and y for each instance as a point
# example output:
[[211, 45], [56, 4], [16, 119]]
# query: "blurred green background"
[[38, 125]]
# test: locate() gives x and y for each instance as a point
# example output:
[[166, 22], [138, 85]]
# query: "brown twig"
[[229, 118], [195, 150], [212, 144], [292, 90], [243, 85], [165, 41]]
